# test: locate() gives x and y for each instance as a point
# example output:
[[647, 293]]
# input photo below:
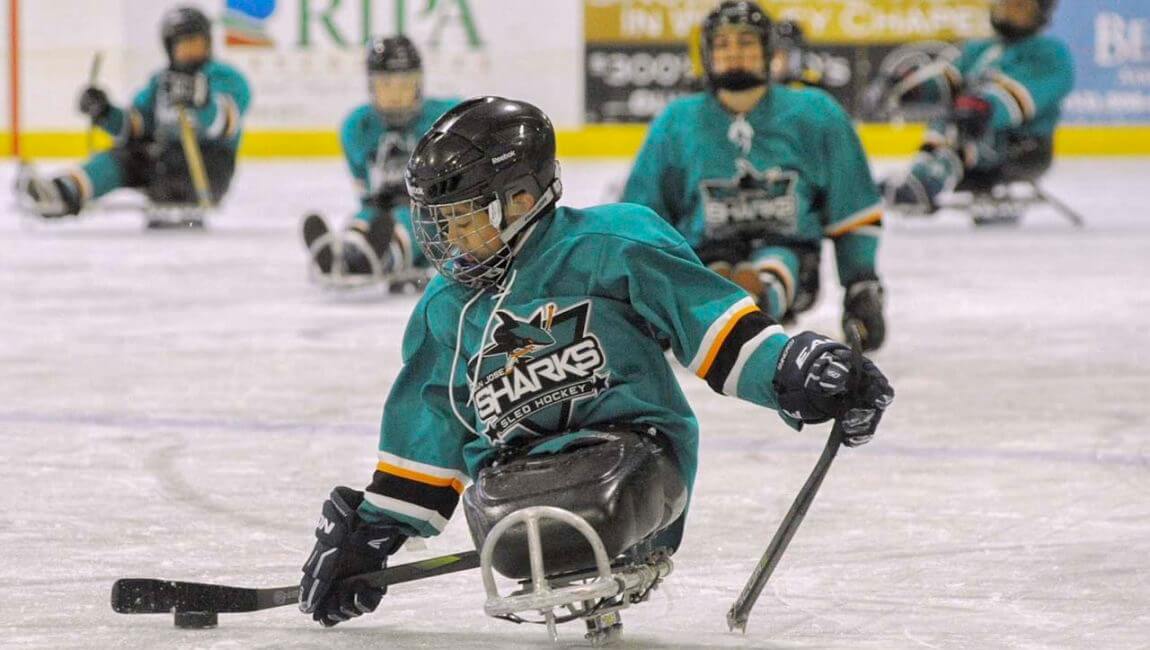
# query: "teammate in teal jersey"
[[1008, 92], [755, 174], [541, 333], [147, 154], [377, 139]]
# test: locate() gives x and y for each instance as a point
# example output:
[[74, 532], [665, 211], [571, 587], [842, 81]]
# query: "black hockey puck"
[[197, 620]]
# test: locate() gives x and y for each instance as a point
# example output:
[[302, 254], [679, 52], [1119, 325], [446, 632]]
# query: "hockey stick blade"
[[154, 596]]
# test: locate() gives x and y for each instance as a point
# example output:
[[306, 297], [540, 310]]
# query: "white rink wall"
[[309, 79]]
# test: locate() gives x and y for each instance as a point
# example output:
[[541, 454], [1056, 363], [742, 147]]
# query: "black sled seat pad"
[[625, 484]]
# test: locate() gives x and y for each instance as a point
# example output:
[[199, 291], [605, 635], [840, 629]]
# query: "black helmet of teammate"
[[476, 158], [789, 34], [395, 55], [182, 22], [738, 13], [1011, 32]]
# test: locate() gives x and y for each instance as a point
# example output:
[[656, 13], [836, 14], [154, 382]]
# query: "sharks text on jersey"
[[532, 365]]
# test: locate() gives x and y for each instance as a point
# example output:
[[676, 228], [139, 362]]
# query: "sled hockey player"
[[377, 139], [148, 153], [755, 174], [1004, 96], [532, 367]]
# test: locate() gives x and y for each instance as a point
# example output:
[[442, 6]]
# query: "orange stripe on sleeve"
[[427, 479], [868, 220], [722, 337]]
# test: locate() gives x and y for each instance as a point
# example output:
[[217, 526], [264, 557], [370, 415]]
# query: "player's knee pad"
[[624, 483]]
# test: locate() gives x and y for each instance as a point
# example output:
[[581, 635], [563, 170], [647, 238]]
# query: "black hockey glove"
[[972, 116], [94, 103], [862, 311], [816, 381], [345, 546], [185, 89]]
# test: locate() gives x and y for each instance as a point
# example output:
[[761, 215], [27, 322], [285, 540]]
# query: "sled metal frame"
[[1004, 203], [596, 596]]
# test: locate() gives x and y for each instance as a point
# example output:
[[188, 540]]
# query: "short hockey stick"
[[741, 611], [93, 75], [193, 156], [154, 596]]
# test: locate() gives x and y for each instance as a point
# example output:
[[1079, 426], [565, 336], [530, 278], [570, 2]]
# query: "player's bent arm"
[[1029, 87], [852, 213], [121, 124], [420, 473], [136, 121], [714, 327], [353, 142], [855, 256], [221, 118], [655, 180]]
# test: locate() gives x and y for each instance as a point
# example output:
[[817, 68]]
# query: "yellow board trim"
[[595, 141]]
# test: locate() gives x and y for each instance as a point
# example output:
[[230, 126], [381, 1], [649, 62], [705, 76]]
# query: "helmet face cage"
[[463, 240], [464, 175]]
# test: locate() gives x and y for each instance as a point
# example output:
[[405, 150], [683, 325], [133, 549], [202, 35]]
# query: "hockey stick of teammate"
[[741, 611], [93, 74], [194, 599], [195, 160]]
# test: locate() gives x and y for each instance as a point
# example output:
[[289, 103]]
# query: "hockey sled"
[[580, 530], [326, 249], [1004, 202], [1002, 196]]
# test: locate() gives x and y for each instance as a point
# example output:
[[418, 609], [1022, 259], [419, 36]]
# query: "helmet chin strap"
[[546, 199]]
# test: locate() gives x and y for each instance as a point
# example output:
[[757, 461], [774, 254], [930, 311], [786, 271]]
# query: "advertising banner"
[[1110, 41], [638, 52], [305, 58]]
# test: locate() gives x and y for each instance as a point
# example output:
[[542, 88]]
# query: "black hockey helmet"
[[476, 158], [393, 54], [740, 13], [789, 34], [182, 22], [1012, 32]]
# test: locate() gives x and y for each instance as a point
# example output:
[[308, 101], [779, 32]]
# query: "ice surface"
[[179, 404]]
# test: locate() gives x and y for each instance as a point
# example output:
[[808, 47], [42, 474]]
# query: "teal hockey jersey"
[[377, 154], [152, 117], [566, 342], [789, 172], [1025, 82]]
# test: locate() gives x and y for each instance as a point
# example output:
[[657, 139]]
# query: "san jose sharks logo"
[[531, 371], [752, 203], [516, 339]]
